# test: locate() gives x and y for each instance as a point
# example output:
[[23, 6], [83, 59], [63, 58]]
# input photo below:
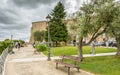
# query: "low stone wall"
[[2, 60]]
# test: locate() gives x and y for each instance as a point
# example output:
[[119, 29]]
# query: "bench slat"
[[78, 59], [67, 65]]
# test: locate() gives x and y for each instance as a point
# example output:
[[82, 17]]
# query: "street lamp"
[[11, 37], [11, 43], [48, 19]]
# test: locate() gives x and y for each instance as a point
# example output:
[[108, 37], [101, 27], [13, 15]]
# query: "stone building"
[[41, 25], [37, 26]]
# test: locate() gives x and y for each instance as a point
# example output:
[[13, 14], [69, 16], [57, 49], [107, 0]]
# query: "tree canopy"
[[94, 18], [58, 30], [39, 35]]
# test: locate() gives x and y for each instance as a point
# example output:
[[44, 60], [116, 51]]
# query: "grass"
[[71, 50], [105, 65]]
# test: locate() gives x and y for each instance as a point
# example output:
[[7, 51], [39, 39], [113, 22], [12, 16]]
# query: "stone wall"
[[41, 25], [37, 26]]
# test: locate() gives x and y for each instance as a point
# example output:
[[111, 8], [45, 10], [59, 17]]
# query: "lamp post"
[[11, 40], [11, 43], [11, 37], [48, 19]]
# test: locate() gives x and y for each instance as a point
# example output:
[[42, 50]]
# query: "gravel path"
[[26, 62]]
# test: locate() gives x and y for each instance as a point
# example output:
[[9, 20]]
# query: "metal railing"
[[2, 60]]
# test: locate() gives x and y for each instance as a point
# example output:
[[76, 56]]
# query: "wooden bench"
[[69, 65]]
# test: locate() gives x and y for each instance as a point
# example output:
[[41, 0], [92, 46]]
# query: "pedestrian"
[[74, 42], [33, 44], [18, 46], [92, 47], [107, 44]]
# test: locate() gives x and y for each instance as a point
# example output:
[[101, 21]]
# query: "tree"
[[94, 18], [39, 35], [114, 29], [58, 30]]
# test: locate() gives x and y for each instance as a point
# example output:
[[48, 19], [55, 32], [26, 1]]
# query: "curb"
[[88, 73], [3, 73]]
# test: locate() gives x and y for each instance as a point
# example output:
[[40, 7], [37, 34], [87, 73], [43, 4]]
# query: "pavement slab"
[[26, 62]]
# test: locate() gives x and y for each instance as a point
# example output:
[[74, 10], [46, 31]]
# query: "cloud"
[[16, 16], [18, 32], [31, 3], [6, 17]]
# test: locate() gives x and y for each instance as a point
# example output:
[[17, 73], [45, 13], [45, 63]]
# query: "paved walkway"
[[26, 62]]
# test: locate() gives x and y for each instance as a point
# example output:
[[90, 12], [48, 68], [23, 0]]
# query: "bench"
[[69, 65]]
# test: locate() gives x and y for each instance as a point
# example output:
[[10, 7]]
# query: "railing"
[[2, 60]]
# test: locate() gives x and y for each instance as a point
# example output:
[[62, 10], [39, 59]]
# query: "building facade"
[[37, 26], [41, 25]]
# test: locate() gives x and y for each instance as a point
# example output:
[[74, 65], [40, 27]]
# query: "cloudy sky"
[[16, 16]]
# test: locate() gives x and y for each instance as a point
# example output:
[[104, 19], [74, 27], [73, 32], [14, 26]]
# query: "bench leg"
[[56, 65], [68, 70]]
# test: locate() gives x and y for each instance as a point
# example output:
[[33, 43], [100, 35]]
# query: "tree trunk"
[[118, 50], [56, 43], [65, 43], [118, 45], [80, 48]]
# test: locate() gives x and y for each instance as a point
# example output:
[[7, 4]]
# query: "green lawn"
[[105, 65], [71, 50]]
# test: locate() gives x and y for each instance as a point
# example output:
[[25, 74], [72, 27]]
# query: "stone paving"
[[26, 62]]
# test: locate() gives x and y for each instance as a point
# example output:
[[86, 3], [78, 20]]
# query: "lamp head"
[[48, 17]]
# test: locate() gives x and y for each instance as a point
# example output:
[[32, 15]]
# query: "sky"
[[16, 16]]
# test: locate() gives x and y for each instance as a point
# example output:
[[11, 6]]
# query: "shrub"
[[4, 45], [39, 35], [40, 47], [1, 47], [10, 47], [21, 41]]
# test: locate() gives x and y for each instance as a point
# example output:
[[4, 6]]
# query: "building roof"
[[38, 22]]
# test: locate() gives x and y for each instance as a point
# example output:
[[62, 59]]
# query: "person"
[[33, 44], [18, 46], [74, 42], [107, 44], [92, 47]]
